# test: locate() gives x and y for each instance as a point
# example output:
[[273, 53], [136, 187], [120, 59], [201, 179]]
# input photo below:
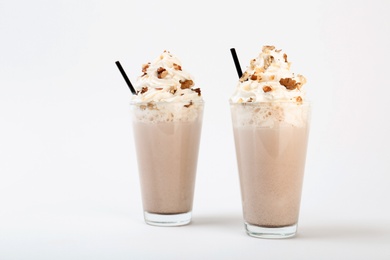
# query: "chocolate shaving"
[[285, 57], [186, 84], [289, 83]]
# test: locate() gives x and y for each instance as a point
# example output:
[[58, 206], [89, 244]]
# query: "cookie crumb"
[[268, 61], [161, 73], [289, 83], [197, 90], [268, 47], [186, 84], [176, 66], [267, 89], [145, 67], [143, 90], [172, 90], [244, 77]]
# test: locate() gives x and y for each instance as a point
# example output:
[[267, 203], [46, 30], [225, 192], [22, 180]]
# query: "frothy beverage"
[[271, 126], [167, 152], [167, 175], [167, 116], [271, 197], [271, 163]]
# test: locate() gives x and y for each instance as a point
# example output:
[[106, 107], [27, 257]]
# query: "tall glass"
[[271, 141], [167, 136]]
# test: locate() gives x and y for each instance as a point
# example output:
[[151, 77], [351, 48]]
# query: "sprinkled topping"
[[269, 78], [165, 80]]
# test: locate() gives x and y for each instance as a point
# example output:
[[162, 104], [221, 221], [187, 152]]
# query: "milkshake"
[[270, 119], [167, 119]]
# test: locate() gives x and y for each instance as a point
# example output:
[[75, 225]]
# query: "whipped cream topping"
[[164, 80], [269, 79]]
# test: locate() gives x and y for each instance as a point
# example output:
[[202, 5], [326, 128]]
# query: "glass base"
[[167, 220], [271, 232]]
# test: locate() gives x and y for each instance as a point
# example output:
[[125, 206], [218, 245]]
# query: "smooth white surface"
[[68, 176]]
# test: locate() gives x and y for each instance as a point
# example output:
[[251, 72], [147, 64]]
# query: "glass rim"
[[305, 103], [136, 102]]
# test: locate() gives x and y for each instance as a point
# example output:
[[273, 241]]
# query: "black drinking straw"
[[118, 64], [236, 62]]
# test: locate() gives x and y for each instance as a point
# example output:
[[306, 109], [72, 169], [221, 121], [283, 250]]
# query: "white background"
[[68, 176]]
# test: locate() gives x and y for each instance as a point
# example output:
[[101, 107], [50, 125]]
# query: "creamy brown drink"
[[271, 126], [167, 119], [271, 163], [272, 192], [167, 152], [167, 175]]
